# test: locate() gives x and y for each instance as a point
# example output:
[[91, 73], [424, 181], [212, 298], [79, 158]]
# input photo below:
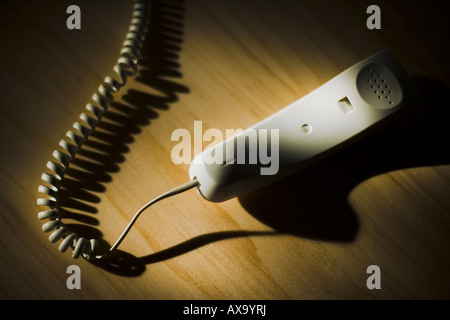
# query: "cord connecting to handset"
[[184, 187]]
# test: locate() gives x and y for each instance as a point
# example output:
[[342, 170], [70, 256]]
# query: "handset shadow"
[[314, 203]]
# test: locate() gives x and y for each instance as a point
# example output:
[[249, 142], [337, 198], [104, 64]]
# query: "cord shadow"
[[313, 203], [125, 264], [101, 155]]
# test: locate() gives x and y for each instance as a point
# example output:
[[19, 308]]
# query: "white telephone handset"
[[326, 119]]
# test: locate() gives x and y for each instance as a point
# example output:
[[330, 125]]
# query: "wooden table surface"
[[384, 201]]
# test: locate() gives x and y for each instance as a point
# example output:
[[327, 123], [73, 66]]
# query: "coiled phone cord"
[[126, 67]]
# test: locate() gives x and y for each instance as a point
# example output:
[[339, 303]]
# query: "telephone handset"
[[335, 114]]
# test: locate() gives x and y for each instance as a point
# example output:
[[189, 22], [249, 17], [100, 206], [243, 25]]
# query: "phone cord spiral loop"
[[126, 67]]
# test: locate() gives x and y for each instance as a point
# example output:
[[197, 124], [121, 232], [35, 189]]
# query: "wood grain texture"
[[383, 201]]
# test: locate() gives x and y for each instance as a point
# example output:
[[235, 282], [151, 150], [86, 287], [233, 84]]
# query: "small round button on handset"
[[378, 86], [306, 128]]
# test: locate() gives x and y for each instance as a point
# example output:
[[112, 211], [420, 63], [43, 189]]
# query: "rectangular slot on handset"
[[345, 105]]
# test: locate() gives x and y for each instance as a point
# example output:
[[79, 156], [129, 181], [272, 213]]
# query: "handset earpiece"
[[330, 117], [379, 86]]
